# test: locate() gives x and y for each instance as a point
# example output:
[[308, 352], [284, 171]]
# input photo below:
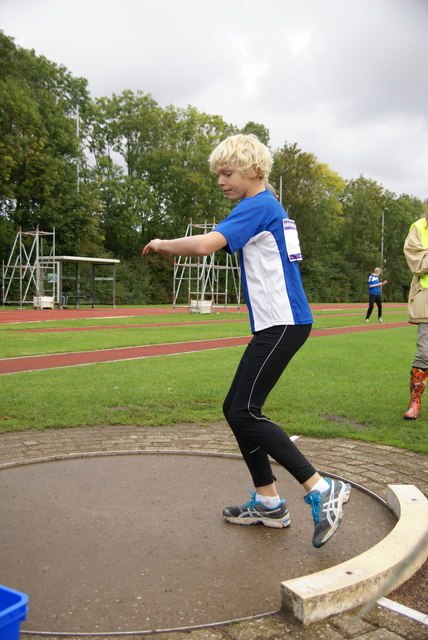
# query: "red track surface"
[[41, 315], [34, 363], [8, 316]]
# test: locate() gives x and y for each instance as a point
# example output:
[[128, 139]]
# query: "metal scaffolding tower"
[[206, 282], [30, 275]]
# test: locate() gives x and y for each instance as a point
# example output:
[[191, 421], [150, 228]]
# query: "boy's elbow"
[[202, 250], [206, 246]]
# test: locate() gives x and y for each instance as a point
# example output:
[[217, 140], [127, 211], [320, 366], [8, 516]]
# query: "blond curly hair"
[[244, 151]]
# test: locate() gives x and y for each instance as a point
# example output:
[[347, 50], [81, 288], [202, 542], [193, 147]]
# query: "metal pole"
[[280, 184], [20, 268], [78, 138], [114, 285], [77, 286], [93, 285], [382, 236], [54, 268], [59, 271], [38, 287]]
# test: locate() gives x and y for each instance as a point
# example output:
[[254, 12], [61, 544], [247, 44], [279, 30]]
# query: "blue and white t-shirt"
[[373, 291], [266, 239]]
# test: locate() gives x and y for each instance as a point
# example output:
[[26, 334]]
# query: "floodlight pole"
[[383, 235], [78, 139], [280, 184]]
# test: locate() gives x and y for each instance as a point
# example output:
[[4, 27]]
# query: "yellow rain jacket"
[[416, 252]]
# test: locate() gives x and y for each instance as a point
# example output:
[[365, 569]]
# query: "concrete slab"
[[137, 542], [371, 574]]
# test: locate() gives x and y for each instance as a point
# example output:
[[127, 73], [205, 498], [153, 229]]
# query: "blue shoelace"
[[251, 503], [314, 499]]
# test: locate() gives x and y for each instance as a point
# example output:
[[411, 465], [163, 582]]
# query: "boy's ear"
[[256, 171]]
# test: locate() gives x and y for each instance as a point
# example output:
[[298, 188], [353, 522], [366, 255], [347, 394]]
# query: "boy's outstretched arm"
[[192, 246]]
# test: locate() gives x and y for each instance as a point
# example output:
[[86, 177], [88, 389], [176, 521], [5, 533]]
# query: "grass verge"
[[350, 386]]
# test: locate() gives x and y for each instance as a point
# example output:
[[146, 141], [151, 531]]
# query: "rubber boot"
[[418, 379]]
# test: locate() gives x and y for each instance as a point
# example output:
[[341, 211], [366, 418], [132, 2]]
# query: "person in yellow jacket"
[[416, 252]]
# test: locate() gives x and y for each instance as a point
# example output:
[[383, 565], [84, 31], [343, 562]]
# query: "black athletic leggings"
[[260, 368], [372, 301]]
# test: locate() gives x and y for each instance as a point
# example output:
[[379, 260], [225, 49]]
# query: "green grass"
[[352, 320], [127, 321], [27, 344], [18, 340], [354, 385]]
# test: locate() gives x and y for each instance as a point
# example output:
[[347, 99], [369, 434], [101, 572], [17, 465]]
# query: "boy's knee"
[[238, 418], [230, 413], [226, 409]]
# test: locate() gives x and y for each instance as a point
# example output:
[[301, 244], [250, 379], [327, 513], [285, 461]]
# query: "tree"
[[113, 173], [259, 130], [127, 125], [151, 171], [39, 147], [310, 193], [179, 171], [363, 201], [399, 213]]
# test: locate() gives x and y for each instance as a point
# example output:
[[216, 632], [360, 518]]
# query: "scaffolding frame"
[[202, 277], [33, 268], [39, 273]]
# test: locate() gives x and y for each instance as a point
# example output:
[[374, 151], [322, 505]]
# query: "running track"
[[59, 360]]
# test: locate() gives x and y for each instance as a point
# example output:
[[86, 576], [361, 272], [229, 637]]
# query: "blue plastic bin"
[[13, 609]]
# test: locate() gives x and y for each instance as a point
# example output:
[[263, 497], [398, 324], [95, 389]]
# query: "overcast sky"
[[344, 79]]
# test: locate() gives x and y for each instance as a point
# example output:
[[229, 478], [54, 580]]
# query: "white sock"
[[269, 501], [321, 486]]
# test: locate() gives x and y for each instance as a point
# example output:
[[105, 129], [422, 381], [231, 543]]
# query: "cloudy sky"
[[344, 79]]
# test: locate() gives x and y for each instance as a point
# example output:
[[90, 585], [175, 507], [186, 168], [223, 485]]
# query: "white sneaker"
[[327, 509], [254, 512]]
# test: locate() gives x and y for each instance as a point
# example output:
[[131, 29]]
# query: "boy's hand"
[[385, 282], [156, 245]]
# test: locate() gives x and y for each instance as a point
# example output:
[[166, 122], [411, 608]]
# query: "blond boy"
[[281, 320]]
